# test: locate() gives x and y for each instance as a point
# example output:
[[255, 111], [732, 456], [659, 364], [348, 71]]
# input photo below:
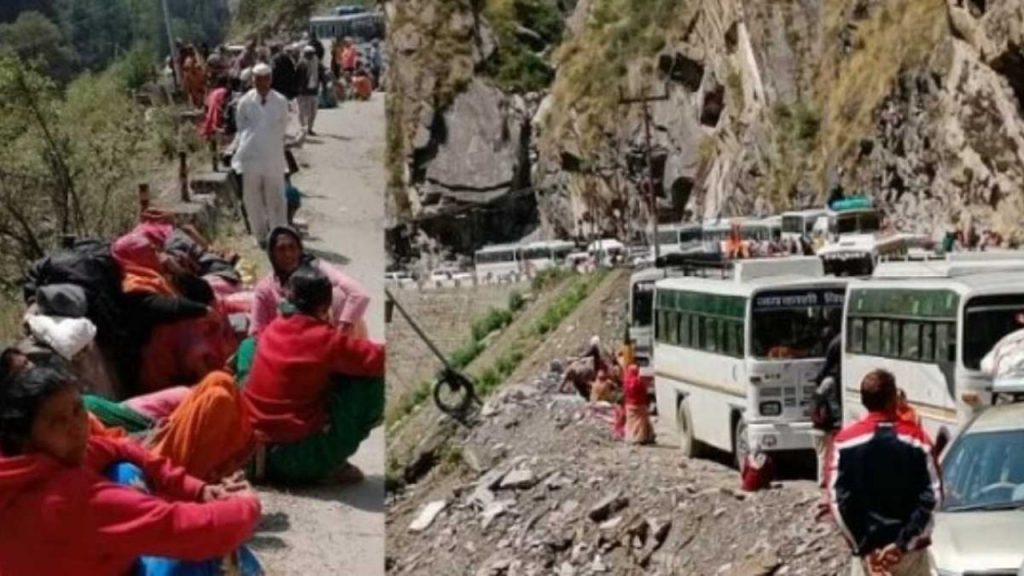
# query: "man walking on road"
[[262, 119], [883, 485], [311, 75]]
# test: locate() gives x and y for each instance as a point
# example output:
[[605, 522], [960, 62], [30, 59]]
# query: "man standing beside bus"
[[883, 485]]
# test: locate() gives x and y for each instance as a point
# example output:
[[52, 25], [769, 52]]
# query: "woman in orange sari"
[[194, 78]]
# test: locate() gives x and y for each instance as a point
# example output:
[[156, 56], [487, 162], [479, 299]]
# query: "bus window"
[[889, 347], [672, 328], [873, 337], [855, 341], [945, 342], [711, 334], [684, 330], [928, 342], [987, 319], [643, 303], [910, 342]]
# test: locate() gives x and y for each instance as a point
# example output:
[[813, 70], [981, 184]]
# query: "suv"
[[980, 527]]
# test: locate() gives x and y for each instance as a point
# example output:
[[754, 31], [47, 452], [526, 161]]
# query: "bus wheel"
[[688, 443], [740, 442]]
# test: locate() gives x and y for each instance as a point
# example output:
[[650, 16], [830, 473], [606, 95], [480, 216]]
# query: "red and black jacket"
[[883, 484]]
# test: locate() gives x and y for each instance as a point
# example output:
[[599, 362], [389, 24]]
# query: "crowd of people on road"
[[252, 99], [154, 382]]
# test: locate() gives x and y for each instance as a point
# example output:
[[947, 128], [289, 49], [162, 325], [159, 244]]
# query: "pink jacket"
[[350, 299]]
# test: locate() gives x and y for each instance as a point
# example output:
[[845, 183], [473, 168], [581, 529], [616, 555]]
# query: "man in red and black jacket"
[[883, 485]]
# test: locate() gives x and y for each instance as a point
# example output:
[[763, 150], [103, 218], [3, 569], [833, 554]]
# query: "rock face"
[[765, 106], [457, 145], [474, 152]]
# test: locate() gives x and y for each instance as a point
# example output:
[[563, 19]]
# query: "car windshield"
[[643, 303], [986, 320], [793, 324], [984, 470]]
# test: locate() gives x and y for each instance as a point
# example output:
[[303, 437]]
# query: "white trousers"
[[307, 111], [265, 204]]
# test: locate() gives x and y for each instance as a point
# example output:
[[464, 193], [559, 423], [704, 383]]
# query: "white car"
[[980, 526]]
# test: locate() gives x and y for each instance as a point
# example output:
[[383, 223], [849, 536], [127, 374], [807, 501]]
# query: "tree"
[[65, 162], [34, 37]]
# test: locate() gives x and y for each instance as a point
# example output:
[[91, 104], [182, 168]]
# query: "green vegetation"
[[593, 64], [516, 302], [532, 337], [492, 321], [70, 161], [64, 38], [517, 66], [896, 36], [796, 132]]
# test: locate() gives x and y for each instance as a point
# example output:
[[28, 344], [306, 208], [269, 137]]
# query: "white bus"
[[676, 238], [735, 359], [800, 223], [930, 324], [497, 261], [542, 255]]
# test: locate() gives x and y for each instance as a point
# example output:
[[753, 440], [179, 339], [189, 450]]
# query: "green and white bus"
[[735, 358], [930, 324]]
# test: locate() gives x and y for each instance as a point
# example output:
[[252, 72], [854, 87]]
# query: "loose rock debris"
[[558, 495]]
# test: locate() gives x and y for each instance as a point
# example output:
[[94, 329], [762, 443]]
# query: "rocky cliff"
[[756, 106]]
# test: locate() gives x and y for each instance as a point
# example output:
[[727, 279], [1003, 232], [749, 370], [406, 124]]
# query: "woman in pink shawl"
[[215, 100], [284, 247]]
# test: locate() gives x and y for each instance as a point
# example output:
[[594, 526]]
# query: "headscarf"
[[282, 275], [141, 266]]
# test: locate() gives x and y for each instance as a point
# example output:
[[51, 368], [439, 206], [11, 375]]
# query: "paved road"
[[328, 531]]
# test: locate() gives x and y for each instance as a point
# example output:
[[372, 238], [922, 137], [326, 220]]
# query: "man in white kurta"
[[262, 119]]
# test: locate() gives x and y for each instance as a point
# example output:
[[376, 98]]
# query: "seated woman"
[[284, 247], [61, 515], [181, 339], [311, 419]]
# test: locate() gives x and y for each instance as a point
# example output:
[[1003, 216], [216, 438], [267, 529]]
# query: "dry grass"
[[900, 34], [593, 65]]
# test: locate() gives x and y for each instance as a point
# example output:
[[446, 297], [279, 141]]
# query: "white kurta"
[[260, 160]]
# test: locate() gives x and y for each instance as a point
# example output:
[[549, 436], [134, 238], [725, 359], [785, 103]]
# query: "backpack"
[[90, 265], [825, 409]]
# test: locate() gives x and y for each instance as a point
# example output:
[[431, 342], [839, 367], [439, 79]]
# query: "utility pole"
[[175, 72], [645, 100]]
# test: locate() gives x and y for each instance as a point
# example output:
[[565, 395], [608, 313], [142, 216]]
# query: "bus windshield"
[[986, 320], [690, 235], [643, 303], [793, 225], [495, 257], [795, 323], [858, 223], [668, 237]]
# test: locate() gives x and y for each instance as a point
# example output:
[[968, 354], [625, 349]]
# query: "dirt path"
[[330, 530]]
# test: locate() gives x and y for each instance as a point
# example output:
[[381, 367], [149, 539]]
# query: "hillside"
[[767, 105]]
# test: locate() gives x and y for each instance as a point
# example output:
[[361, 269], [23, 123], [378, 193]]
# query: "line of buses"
[[734, 349]]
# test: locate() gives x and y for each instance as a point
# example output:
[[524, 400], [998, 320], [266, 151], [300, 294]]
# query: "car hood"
[[979, 541]]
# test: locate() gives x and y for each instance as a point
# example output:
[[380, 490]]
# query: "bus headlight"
[[771, 408]]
